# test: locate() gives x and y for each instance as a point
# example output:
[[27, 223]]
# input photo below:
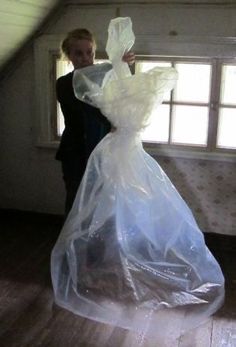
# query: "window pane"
[[60, 121], [143, 66], [228, 84], [190, 125], [193, 82], [158, 130], [227, 128], [63, 67]]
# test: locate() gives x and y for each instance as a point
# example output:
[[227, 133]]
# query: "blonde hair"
[[74, 35]]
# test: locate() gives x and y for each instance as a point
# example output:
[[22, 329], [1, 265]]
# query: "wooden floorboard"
[[29, 317], [199, 337]]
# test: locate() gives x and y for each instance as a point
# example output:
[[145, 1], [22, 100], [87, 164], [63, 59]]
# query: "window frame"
[[54, 112], [172, 102], [45, 50], [218, 104], [213, 105]]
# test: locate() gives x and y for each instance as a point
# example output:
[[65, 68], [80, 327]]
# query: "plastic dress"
[[130, 252]]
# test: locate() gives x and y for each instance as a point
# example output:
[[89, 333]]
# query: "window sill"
[[156, 151], [48, 145]]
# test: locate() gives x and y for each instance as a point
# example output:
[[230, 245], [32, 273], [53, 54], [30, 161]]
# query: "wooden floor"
[[29, 318]]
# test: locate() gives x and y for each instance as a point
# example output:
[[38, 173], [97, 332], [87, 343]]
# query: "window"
[[226, 131], [197, 119], [63, 67], [189, 114], [48, 121], [199, 113]]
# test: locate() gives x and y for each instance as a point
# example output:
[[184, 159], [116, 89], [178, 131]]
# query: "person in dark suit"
[[85, 126]]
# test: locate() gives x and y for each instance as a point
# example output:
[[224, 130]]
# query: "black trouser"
[[73, 171]]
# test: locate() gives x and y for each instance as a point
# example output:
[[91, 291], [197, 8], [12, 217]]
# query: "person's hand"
[[129, 58]]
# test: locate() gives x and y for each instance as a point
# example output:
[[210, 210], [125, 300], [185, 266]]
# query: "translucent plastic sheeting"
[[131, 253]]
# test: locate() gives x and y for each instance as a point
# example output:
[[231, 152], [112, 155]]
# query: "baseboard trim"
[[216, 242], [31, 216]]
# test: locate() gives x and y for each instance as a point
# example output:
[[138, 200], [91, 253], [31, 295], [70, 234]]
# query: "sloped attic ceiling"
[[19, 20]]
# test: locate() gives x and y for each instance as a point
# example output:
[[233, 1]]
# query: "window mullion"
[[54, 117], [214, 105], [171, 111], [170, 122]]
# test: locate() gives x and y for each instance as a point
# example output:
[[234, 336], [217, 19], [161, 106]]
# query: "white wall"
[[30, 177], [150, 18]]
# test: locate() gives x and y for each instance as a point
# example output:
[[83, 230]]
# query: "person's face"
[[82, 53]]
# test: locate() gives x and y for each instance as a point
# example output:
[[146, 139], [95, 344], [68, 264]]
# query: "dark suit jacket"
[[85, 126]]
